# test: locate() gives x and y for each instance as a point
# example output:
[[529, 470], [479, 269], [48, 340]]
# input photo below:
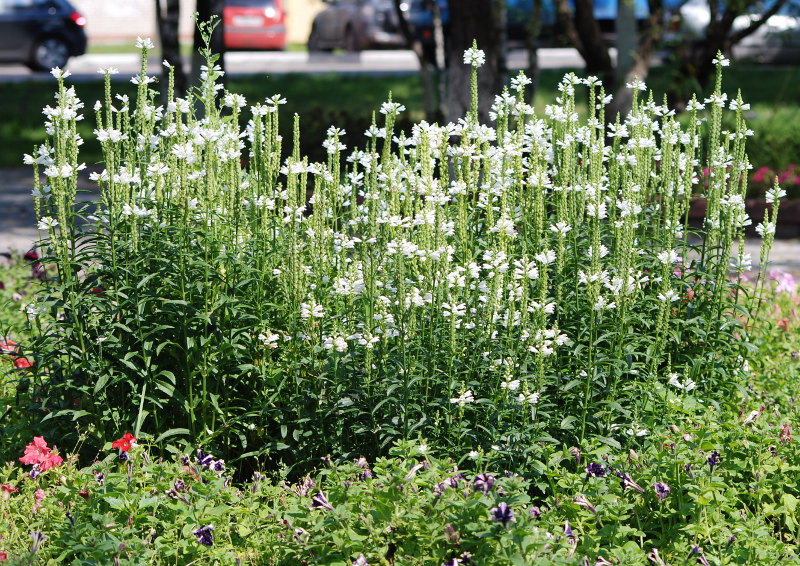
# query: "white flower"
[[546, 257], [270, 340], [47, 222], [392, 108], [474, 56], [721, 60], [463, 399], [145, 43], [669, 296], [767, 229], [636, 84], [519, 82], [531, 398], [473, 454], [668, 257], [422, 448], [687, 384], [561, 228], [32, 311], [511, 385], [775, 193], [59, 74]]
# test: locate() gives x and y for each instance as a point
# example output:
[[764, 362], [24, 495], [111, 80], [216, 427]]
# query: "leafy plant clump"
[[505, 286]]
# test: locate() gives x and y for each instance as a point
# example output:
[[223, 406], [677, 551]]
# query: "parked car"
[[519, 14], [254, 24], [355, 25], [778, 40], [40, 33]]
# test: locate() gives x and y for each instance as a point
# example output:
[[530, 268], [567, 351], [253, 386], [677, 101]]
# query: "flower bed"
[[518, 297]]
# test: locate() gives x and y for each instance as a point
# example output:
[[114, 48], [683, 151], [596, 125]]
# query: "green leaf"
[[173, 432]]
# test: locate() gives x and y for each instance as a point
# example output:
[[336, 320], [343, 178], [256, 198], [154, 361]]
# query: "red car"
[[254, 24]]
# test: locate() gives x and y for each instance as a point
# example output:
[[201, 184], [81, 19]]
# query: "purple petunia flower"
[[595, 470], [655, 557], [483, 482], [701, 559], [360, 561], [38, 538], [662, 490], [713, 460], [583, 502], [203, 459], [319, 501], [534, 513], [503, 514], [627, 482], [568, 532], [35, 471], [204, 535]]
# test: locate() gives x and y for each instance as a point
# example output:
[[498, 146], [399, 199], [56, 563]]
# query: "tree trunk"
[[472, 20], [532, 31], [167, 17], [639, 63], [426, 74], [696, 59]]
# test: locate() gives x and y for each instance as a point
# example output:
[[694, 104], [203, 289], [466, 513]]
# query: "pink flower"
[[53, 460], [785, 282], [6, 490], [762, 175], [8, 347], [36, 452], [39, 495]]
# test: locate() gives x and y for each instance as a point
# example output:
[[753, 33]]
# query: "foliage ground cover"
[[524, 299], [717, 486]]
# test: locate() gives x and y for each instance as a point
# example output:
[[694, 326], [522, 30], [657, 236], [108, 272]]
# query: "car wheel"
[[350, 41], [48, 53]]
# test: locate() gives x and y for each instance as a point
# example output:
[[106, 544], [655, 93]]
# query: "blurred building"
[[122, 21]]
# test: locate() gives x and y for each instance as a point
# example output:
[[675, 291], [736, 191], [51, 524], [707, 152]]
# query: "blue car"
[[518, 16]]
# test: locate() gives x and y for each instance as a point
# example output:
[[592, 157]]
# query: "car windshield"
[[9, 5]]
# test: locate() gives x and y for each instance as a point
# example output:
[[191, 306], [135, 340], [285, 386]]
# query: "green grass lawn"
[[349, 100]]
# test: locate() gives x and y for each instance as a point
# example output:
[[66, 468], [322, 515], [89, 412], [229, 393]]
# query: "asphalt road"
[[279, 62]]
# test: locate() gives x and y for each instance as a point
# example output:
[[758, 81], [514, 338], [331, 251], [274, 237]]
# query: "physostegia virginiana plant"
[[479, 285]]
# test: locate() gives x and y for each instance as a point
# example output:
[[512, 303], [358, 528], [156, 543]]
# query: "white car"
[[778, 40]]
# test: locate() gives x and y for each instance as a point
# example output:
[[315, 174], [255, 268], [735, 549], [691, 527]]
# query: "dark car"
[[40, 33], [355, 25]]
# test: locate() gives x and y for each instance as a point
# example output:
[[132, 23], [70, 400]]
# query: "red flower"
[[125, 443], [3, 556], [23, 363]]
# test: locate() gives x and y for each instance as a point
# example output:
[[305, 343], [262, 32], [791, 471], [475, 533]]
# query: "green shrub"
[[477, 286]]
